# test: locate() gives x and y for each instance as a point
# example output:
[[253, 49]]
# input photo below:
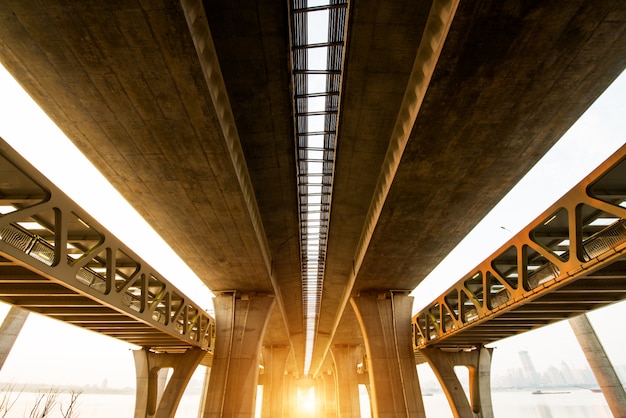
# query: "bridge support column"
[[478, 363], [205, 390], [346, 358], [150, 402], [600, 365], [275, 360], [291, 397], [10, 330], [240, 324], [385, 321], [330, 395], [320, 407]]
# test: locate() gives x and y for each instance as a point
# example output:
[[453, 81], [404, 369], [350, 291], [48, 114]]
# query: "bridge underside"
[[192, 121], [588, 292], [56, 260], [22, 287], [568, 261]]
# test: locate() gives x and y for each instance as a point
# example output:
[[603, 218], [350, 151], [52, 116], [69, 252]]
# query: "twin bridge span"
[[58, 261]]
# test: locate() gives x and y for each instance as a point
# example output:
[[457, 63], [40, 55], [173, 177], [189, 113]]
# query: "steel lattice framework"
[[58, 261], [570, 260]]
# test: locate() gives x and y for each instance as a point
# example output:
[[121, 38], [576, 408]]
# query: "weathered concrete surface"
[[241, 321], [274, 387], [395, 388], [346, 358]]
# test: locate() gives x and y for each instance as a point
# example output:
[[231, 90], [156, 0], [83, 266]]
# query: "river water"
[[579, 403]]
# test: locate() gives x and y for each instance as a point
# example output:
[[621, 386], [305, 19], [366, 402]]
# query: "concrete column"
[[385, 321], [274, 361], [149, 403], [600, 365], [205, 390], [10, 330], [290, 400], [320, 397], [330, 395], [161, 383], [346, 358], [240, 324], [478, 363]]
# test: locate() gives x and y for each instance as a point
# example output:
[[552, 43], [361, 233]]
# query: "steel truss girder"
[[589, 274], [39, 271]]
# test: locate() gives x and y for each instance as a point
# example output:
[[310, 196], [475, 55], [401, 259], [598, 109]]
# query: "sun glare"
[[306, 402]]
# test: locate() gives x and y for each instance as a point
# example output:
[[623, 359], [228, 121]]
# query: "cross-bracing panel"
[[58, 261]]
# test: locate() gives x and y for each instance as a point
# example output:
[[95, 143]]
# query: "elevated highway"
[[431, 112]]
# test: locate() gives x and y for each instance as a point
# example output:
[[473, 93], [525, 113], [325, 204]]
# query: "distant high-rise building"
[[530, 374], [568, 376]]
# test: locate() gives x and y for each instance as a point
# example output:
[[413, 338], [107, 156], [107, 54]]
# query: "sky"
[[49, 351]]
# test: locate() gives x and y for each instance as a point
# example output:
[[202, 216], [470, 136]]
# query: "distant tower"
[[529, 369], [568, 376]]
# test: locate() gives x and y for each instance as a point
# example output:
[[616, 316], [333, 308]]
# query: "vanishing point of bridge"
[[59, 262], [302, 157]]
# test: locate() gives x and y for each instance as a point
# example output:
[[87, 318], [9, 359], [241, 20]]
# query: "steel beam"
[[58, 261], [535, 281]]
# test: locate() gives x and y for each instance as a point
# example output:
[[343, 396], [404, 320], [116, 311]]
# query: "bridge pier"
[[240, 325], [320, 408], [478, 363], [274, 387], [600, 364], [10, 330], [346, 358], [205, 390], [151, 401], [329, 394], [291, 396], [385, 321]]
